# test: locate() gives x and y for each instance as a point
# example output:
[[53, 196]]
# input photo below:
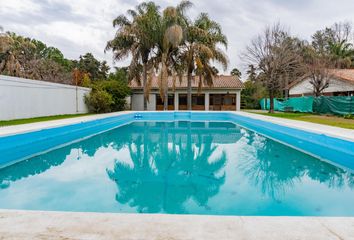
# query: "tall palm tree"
[[342, 53], [173, 23], [200, 48], [137, 36]]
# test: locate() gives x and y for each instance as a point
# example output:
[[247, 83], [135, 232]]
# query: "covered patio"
[[223, 95]]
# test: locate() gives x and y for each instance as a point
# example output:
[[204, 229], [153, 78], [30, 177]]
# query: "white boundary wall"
[[25, 98]]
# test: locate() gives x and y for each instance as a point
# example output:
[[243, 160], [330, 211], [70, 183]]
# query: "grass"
[[38, 119], [306, 117]]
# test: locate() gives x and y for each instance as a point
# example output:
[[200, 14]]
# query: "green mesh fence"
[[334, 105], [321, 105], [303, 104]]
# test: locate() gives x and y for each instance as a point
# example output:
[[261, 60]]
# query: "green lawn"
[[38, 119], [306, 117]]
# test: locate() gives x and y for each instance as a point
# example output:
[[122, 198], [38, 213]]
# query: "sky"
[[80, 26]]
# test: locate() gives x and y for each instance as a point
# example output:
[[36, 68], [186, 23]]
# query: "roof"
[[220, 82], [344, 74], [340, 74]]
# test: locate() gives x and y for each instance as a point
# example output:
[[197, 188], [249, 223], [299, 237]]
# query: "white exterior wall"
[[335, 85], [137, 102], [25, 98]]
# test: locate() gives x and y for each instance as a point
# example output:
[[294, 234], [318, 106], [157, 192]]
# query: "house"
[[223, 95], [340, 84]]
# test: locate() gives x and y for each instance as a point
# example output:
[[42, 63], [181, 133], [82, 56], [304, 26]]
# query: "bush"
[[349, 116], [119, 90], [99, 101], [107, 96]]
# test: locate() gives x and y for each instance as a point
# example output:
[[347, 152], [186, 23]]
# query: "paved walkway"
[[64, 225], [337, 132]]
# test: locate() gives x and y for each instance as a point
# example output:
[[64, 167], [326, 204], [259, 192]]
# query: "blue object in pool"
[[179, 167]]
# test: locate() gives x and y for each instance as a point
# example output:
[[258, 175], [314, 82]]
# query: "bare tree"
[[319, 71], [275, 57], [342, 31]]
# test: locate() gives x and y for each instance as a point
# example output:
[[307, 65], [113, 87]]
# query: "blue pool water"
[[179, 168]]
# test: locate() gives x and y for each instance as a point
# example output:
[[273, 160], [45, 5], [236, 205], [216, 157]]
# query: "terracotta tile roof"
[[344, 74], [221, 82]]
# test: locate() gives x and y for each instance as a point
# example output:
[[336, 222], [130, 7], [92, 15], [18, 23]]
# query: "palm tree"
[[137, 37], [199, 49], [342, 53], [171, 31], [236, 72]]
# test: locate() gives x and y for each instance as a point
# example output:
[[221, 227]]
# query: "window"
[[198, 99], [171, 100]]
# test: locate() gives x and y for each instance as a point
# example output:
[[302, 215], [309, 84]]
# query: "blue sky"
[[80, 26]]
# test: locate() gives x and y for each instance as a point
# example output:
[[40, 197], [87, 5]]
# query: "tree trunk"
[[271, 99], [165, 103], [286, 92], [189, 91], [145, 85]]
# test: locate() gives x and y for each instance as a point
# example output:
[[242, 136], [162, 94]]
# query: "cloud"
[[81, 26]]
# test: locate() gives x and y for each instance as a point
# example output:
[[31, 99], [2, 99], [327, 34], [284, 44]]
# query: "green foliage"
[[120, 74], [99, 101], [251, 95], [236, 72], [118, 90], [349, 116], [89, 64], [336, 43]]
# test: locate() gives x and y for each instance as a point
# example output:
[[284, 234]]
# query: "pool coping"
[[336, 132], [16, 224]]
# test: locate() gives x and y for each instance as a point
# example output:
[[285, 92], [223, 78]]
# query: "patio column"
[[206, 101], [238, 101], [176, 101]]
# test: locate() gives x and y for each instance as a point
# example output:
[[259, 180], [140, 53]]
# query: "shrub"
[[349, 116], [119, 90], [99, 101]]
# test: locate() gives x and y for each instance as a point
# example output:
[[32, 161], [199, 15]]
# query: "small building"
[[340, 84], [223, 95]]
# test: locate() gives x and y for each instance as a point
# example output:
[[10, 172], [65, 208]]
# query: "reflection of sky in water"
[[192, 168]]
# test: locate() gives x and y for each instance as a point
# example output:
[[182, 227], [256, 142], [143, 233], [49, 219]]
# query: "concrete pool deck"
[[67, 225], [16, 224], [336, 132]]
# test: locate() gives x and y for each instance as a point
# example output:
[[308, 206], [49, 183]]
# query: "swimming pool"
[[178, 163]]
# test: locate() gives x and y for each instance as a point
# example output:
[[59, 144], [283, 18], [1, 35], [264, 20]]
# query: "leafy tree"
[[171, 33], [89, 64], [137, 36], [236, 72], [253, 91], [342, 54], [336, 43], [120, 74], [99, 101], [199, 48], [119, 90]]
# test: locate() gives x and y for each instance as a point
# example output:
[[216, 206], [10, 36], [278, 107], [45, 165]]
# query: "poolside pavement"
[[67, 225], [337, 132]]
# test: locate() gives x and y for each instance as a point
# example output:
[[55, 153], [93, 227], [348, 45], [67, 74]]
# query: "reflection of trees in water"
[[33, 166], [41, 163], [275, 167], [164, 173]]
